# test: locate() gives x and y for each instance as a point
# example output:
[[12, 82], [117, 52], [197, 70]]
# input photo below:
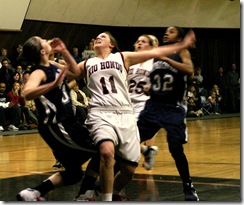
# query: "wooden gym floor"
[[213, 152]]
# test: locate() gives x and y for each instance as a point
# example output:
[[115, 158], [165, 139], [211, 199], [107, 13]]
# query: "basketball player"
[[110, 120], [164, 109], [138, 79], [139, 82], [68, 139]]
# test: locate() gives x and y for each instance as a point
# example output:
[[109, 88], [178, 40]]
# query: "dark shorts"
[[158, 115], [70, 143]]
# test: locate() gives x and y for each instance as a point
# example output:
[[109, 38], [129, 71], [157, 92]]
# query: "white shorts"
[[138, 107], [120, 127]]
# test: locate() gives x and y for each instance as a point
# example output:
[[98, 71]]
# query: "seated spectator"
[[213, 101], [16, 77], [192, 92], [30, 104], [192, 109], [219, 98], [83, 87], [15, 95], [89, 51], [79, 102], [19, 69], [8, 113]]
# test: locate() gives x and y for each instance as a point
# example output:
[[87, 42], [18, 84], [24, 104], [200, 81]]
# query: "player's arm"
[[33, 87], [132, 58], [186, 66]]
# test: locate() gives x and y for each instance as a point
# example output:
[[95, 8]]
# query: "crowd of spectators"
[[223, 96]]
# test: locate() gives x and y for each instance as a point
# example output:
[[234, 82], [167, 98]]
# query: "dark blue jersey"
[[167, 83], [54, 106]]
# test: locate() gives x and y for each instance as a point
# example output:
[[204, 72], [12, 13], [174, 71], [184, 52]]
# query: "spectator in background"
[[214, 104], [234, 88], [199, 79], [15, 95], [6, 74], [221, 81], [83, 87], [89, 51], [30, 104], [6, 109], [17, 55], [75, 54], [15, 78], [219, 98], [4, 55], [191, 80], [19, 69], [192, 109], [79, 103]]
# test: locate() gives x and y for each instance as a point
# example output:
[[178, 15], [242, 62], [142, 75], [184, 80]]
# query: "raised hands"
[[57, 45]]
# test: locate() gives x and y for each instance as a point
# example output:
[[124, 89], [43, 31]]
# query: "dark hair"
[[31, 50], [113, 41], [4, 59], [181, 32]]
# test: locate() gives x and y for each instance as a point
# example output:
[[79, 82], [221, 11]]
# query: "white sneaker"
[[150, 157], [12, 128], [29, 195], [1, 129], [88, 196]]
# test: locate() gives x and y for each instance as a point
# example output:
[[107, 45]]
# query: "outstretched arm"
[[132, 58]]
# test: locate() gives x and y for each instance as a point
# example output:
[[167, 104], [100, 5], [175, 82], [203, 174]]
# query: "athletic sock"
[[44, 187]]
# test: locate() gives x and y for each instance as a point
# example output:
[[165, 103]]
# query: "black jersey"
[[167, 83], [54, 106]]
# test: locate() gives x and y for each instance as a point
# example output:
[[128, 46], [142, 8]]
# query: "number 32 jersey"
[[167, 83], [107, 81]]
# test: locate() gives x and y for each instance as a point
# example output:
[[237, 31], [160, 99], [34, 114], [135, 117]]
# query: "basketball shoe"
[[29, 195], [149, 156], [190, 192], [88, 196]]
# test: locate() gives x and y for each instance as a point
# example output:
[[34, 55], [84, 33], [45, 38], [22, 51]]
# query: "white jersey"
[[139, 78], [106, 80], [110, 114]]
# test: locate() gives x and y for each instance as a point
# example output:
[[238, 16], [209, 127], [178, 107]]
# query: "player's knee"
[[106, 151]]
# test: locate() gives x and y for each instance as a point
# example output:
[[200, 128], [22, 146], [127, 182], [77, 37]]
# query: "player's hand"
[[190, 39], [57, 45]]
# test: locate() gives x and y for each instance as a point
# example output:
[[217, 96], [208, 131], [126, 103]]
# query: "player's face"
[[171, 35], [102, 40], [142, 43], [45, 44]]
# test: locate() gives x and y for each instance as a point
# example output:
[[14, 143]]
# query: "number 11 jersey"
[[106, 80]]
